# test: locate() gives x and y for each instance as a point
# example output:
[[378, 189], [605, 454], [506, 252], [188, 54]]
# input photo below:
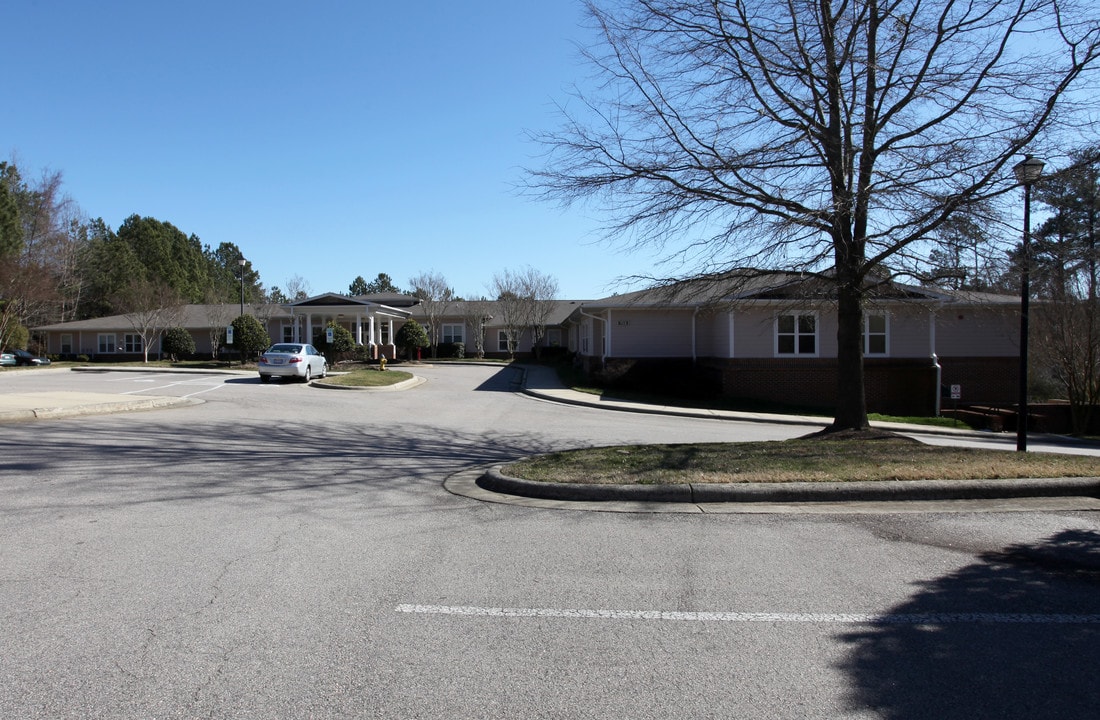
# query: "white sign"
[[328, 335], [956, 392], [229, 335]]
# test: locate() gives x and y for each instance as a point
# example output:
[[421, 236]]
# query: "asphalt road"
[[282, 551]]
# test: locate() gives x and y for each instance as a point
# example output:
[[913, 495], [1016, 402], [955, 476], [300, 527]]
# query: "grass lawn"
[[369, 377], [798, 460]]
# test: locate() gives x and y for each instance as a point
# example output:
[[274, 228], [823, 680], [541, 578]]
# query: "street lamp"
[[241, 262], [1027, 172]]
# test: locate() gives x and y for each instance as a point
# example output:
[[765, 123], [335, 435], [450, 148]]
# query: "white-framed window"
[[106, 342], [288, 333], [66, 343], [876, 335], [131, 343], [454, 332], [796, 334], [553, 337], [586, 337], [502, 340]]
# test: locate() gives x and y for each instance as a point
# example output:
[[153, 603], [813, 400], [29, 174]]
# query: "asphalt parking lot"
[[284, 551]]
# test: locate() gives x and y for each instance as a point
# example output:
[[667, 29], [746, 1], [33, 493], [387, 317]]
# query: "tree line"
[[56, 265]]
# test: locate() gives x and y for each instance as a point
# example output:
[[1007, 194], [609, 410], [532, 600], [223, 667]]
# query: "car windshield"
[[292, 349]]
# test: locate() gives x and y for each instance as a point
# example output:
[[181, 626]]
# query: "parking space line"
[[742, 617], [194, 381]]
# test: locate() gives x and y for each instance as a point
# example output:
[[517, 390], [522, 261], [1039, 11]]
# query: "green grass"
[[369, 377], [810, 459]]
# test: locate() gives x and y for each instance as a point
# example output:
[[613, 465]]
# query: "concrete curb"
[[54, 412], [494, 480], [412, 382]]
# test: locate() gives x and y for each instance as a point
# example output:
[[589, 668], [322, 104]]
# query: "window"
[[454, 333], [875, 335], [66, 343], [106, 342], [553, 337], [796, 334], [288, 333], [131, 343], [502, 341]]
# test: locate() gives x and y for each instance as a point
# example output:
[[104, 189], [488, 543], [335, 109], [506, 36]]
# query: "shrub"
[[411, 336], [177, 343], [249, 336], [342, 341], [451, 350]]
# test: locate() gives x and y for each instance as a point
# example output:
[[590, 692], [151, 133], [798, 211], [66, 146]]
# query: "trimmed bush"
[[249, 337], [410, 337], [178, 343]]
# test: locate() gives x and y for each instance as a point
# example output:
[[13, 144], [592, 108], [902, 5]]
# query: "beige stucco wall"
[[959, 332]]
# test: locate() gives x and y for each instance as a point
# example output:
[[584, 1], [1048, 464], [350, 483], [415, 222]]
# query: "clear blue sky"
[[326, 139]]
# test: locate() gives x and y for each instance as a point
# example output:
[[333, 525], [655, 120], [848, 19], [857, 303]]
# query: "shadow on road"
[[76, 464], [999, 670]]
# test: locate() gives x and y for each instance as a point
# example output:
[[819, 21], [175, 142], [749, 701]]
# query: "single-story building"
[[769, 337], [773, 338], [116, 337]]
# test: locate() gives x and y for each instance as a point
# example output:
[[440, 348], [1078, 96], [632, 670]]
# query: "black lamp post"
[[1027, 172], [241, 262]]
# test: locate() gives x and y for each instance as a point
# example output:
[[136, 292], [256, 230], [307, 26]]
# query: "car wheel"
[[265, 378], [309, 374], [324, 370]]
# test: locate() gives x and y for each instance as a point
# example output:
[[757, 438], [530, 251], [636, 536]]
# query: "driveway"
[[280, 551]]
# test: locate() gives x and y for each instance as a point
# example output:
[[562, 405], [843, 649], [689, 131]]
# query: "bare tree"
[[297, 288], [151, 307], [539, 292], [37, 249], [218, 317], [831, 138], [477, 314], [507, 290], [436, 297]]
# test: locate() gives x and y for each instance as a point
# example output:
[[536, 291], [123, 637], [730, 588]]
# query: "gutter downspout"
[[935, 359]]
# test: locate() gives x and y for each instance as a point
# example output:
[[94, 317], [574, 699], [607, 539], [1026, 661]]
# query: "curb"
[[59, 412], [412, 382], [494, 480]]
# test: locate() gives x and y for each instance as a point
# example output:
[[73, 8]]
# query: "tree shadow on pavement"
[[77, 464], [1023, 663]]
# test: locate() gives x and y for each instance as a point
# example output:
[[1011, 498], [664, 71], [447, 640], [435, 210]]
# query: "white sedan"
[[292, 360]]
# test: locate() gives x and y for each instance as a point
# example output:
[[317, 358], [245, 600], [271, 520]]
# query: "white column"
[[607, 336]]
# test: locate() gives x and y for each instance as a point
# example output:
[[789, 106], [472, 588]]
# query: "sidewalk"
[[15, 407], [543, 383]]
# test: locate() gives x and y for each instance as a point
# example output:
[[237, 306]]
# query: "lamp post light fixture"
[[1027, 171], [241, 261]]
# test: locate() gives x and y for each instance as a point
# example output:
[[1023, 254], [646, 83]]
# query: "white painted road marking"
[[826, 618], [201, 381]]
